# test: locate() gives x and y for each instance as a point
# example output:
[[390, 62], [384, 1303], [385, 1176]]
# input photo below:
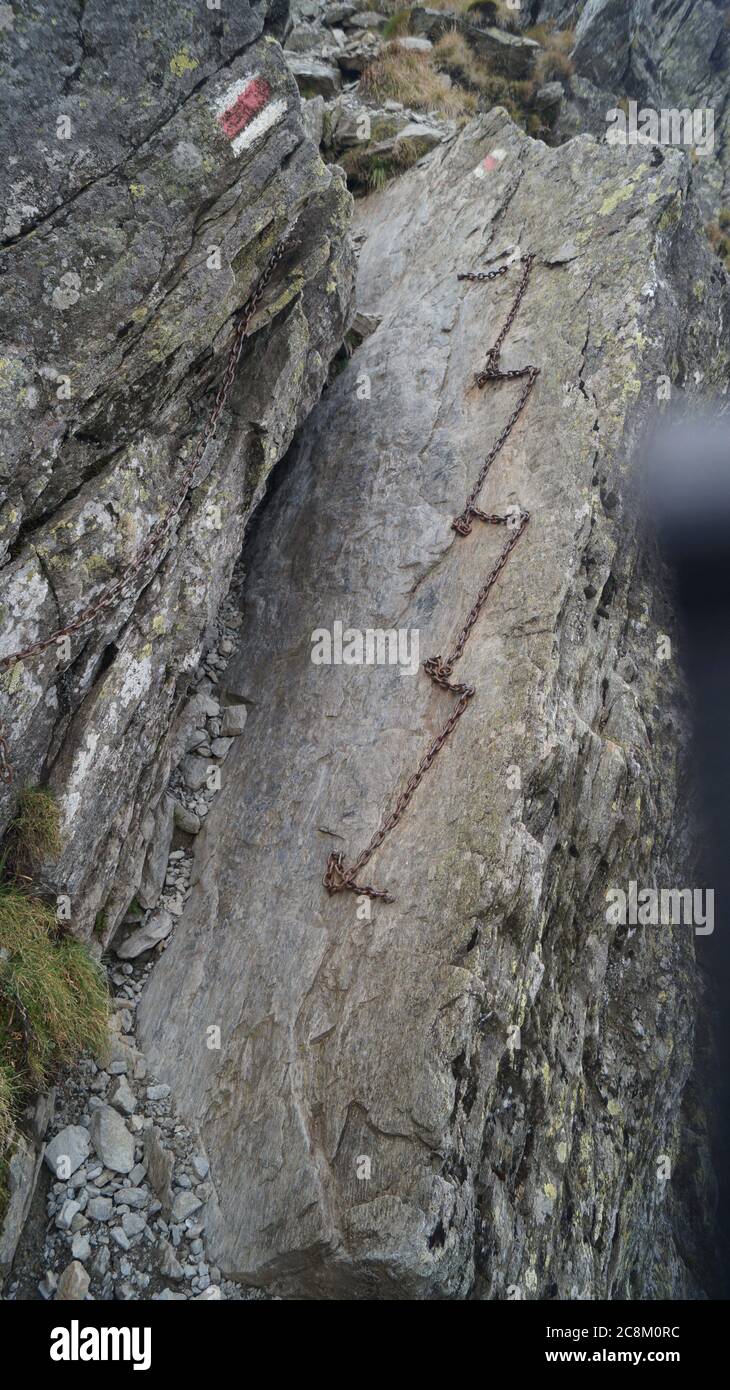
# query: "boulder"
[[413, 44], [112, 1140], [159, 1163], [313, 114], [68, 1150], [314, 78], [156, 929], [511, 55], [420, 136], [74, 1283], [127, 250], [440, 1097], [233, 720], [366, 19]]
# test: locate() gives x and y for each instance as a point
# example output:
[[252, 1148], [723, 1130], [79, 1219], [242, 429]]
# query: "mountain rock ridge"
[[513, 1143]]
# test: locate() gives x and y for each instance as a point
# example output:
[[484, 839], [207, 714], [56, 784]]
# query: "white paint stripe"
[[222, 103], [261, 123]]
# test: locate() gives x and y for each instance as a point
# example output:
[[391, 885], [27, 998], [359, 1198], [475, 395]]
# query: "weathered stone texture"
[[497, 1158], [127, 250]]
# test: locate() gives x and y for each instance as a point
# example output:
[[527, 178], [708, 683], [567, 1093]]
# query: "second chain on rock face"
[[116, 591], [337, 877]]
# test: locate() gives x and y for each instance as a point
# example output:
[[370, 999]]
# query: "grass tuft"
[[34, 835], [370, 174], [54, 1000], [8, 1100], [54, 1003], [412, 78], [398, 25]]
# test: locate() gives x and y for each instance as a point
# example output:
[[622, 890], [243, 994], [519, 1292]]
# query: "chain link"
[[337, 877], [119, 589]]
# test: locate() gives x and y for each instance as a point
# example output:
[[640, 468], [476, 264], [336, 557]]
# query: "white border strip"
[[259, 125]]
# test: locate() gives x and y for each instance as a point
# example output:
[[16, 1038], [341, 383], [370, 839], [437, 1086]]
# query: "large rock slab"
[[468, 1094], [135, 228]]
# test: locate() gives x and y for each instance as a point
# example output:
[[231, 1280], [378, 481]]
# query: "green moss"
[[621, 194], [671, 215]]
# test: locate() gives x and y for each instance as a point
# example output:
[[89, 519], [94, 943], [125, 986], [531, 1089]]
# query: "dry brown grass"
[[554, 64], [453, 54], [453, 6], [413, 79]]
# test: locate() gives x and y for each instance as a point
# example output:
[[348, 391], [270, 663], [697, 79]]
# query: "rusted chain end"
[[462, 524], [338, 879]]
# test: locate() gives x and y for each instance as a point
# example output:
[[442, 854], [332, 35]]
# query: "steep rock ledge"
[[128, 248], [499, 1162]]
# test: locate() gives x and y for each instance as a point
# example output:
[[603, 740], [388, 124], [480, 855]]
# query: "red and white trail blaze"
[[490, 163], [245, 111]]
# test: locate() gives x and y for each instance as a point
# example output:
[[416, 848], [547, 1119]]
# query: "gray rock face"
[[130, 242], [659, 50], [667, 54], [445, 1099], [22, 1166]]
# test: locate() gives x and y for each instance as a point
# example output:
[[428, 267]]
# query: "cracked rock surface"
[[133, 234], [468, 1094], [665, 54]]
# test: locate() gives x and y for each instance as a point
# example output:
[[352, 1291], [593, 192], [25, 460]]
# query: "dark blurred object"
[[688, 507], [687, 488]]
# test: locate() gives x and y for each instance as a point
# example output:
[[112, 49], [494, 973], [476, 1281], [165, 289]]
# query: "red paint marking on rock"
[[490, 163], [248, 103]]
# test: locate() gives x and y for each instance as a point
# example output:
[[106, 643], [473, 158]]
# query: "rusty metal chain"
[[117, 590], [337, 877]]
